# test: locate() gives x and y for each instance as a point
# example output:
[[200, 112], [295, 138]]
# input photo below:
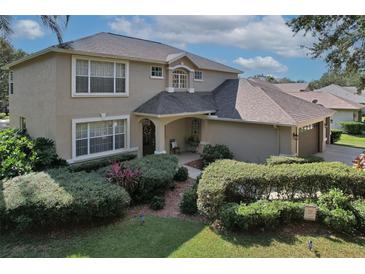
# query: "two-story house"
[[106, 94]]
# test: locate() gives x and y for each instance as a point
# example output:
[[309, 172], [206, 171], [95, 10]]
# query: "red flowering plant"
[[359, 162], [124, 176]]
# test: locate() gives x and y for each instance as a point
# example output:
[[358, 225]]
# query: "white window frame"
[[179, 80], [157, 77], [11, 81], [104, 153], [99, 94], [197, 79]]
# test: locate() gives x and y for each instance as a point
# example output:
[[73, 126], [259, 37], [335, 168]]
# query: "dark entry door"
[[149, 141]]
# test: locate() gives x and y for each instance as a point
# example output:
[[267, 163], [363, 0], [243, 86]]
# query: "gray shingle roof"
[[293, 87], [327, 100], [239, 99], [166, 103], [120, 45], [343, 92]]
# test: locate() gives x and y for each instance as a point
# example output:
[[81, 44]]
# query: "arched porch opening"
[[148, 137]]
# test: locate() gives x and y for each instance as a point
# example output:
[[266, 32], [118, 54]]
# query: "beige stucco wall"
[[35, 97], [249, 142], [43, 95]]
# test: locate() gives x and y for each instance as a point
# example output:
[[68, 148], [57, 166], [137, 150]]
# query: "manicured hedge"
[[182, 174], [96, 164], [335, 135], [188, 203], [352, 127], [157, 173], [260, 215], [279, 160], [229, 180], [212, 153], [58, 197]]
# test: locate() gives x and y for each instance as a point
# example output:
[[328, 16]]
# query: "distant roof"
[[239, 99], [343, 92], [293, 87], [327, 100], [110, 44]]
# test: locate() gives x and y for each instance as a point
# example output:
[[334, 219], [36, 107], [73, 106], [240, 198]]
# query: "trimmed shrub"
[[17, 155], [335, 135], [212, 153], [182, 174], [260, 215], [158, 172], [352, 127], [188, 204], [47, 157], [56, 197], [279, 160], [339, 219], [229, 180], [98, 164], [333, 199], [359, 211], [157, 202]]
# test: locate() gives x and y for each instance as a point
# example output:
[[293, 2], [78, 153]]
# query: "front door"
[[149, 140]]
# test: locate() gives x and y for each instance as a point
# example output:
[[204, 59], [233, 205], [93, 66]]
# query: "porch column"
[[160, 137]]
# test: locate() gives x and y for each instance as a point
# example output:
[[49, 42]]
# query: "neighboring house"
[[345, 110], [348, 93], [106, 94], [293, 87]]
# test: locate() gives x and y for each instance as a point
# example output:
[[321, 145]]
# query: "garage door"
[[308, 140]]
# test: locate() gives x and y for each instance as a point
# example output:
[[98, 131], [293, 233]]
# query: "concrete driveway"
[[336, 153]]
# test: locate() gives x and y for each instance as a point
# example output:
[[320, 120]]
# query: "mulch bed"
[[172, 201], [196, 164]]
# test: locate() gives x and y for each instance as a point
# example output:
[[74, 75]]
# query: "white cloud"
[[268, 33], [28, 29], [267, 64]]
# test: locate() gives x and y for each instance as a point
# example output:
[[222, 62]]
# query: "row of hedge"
[[228, 180], [57, 197], [279, 160], [352, 127]]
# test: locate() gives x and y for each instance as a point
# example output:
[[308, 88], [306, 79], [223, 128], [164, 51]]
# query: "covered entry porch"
[[173, 134]]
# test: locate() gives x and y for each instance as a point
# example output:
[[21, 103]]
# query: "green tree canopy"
[[338, 78], [339, 40]]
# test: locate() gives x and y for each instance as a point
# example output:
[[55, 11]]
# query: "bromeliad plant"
[[359, 162], [126, 177]]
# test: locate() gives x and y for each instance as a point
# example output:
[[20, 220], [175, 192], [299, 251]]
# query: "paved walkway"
[[339, 153], [187, 157]]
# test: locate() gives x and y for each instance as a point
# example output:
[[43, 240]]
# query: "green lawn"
[[170, 237], [352, 140]]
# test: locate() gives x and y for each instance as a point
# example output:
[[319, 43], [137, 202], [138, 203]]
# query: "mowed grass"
[[170, 237], [352, 140]]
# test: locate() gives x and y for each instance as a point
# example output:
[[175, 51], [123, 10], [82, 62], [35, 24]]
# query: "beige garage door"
[[308, 140]]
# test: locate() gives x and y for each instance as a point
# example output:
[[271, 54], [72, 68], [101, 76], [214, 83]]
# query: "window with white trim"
[[198, 75], [11, 82], [179, 79], [100, 77], [156, 72], [100, 136]]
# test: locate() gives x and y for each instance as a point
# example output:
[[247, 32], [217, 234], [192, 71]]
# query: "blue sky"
[[254, 44]]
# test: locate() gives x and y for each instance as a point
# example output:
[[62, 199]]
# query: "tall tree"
[[56, 23], [335, 77], [339, 39], [7, 54]]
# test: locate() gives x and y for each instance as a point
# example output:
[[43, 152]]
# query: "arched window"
[[180, 79]]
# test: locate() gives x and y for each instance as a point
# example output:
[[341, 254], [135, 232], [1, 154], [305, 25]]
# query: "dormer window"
[[157, 72], [198, 75], [179, 79]]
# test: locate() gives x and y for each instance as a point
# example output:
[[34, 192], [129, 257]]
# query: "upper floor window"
[[11, 82], [198, 75], [180, 79], [95, 77], [156, 72]]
